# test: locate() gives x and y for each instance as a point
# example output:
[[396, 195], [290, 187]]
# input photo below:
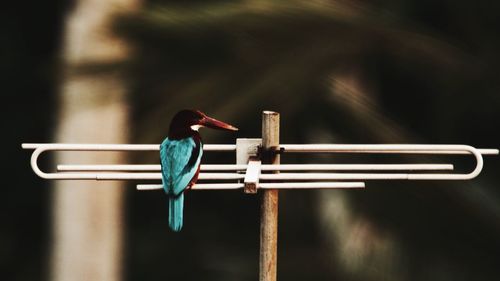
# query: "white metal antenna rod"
[[341, 148], [264, 167], [236, 176], [359, 176], [281, 177], [383, 148], [286, 185], [116, 147]]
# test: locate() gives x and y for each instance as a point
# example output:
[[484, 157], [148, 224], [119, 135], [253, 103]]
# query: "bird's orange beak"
[[216, 124]]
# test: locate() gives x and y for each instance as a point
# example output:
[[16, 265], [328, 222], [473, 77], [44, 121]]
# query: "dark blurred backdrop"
[[337, 71]]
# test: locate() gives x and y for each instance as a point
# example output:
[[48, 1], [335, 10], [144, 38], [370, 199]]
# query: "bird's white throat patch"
[[196, 127]]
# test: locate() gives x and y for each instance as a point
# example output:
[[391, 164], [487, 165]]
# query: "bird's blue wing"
[[179, 160]]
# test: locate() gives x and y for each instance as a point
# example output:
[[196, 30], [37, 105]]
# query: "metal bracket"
[[247, 153], [252, 176]]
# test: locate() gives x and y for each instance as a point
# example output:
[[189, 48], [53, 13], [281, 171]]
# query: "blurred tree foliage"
[[279, 52], [427, 73]]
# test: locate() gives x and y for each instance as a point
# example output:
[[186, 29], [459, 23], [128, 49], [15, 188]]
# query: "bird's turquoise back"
[[179, 162]]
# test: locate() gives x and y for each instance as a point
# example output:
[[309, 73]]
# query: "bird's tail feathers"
[[176, 210]]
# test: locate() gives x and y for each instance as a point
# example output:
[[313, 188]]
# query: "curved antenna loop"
[[332, 148]]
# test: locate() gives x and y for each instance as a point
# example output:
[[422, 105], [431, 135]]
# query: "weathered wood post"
[[269, 204]]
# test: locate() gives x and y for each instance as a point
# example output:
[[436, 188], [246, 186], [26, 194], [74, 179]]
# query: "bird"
[[180, 156]]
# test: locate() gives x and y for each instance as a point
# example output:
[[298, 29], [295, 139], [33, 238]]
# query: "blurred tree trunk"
[[88, 215]]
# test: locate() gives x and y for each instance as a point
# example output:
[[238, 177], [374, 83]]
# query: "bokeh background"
[[347, 71]]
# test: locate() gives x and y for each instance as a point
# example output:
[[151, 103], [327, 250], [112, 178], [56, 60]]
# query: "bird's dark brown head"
[[189, 121]]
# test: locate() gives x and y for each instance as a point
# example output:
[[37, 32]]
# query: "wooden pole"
[[269, 204]]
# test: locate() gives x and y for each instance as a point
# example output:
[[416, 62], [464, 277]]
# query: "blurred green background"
[[337, 71]]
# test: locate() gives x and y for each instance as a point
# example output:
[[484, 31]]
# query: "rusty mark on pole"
[[269, 203]]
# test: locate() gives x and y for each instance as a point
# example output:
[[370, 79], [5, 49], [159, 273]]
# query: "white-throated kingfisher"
[[180, 156]]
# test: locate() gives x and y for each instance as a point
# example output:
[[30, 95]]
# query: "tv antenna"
[[258, 169]]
